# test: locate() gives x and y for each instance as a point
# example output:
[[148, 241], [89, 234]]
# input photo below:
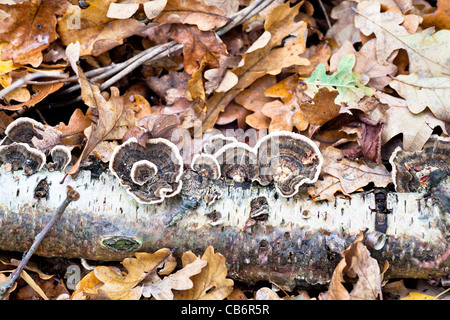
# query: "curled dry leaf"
[[192, 12], [356, 262], [211, 283], [94, 30], [105, 113], [353, 175], [200, 47]]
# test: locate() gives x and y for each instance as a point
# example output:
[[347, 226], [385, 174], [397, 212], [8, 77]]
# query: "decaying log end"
[[291, 241]]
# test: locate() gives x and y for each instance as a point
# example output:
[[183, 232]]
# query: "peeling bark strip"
[[291, 241]]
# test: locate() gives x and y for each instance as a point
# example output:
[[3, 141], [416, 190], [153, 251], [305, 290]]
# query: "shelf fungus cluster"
[[152, 172], [419, 171], [22, 148], [284, 158], [155, 171]]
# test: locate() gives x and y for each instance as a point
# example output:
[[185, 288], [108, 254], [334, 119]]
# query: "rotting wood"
[[297, 243]]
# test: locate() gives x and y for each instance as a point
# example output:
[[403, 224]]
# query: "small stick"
[[30, 77], [327, 19], [72, 195]]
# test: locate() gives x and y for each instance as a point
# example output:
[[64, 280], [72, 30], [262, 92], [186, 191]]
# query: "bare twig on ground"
[[72, 195]]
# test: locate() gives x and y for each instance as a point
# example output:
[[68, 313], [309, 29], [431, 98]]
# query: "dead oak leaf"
[[199, 47], [211, 283], [325, 189], [353, 175], [29, 29], [94, 30], [263, 58], [192, 12], [427, 50], [180, 280], [440, 19], [105, 115], [285, 114], [356, 262], [322, 108], [416, 129], [253, 99]]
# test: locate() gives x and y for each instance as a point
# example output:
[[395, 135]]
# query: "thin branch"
[[72, 195], [30, 77]]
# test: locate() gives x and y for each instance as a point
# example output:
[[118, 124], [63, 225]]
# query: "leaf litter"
[[370, 75]]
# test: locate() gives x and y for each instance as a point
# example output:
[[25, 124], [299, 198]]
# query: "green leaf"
[[344, 80]]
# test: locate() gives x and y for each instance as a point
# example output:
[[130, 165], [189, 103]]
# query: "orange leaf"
[[29, 29]]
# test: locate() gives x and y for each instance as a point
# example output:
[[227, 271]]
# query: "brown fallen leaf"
[[234, 112], [322, 108], [285, 114], [96, 32], [440, 19], [315, 54], [72, 133], [253, 99], [211, 283], [353, 175], [262, 58], [29, 29], [40, 92], [416, 129], [192, 12], [199, 47], [105, 115], [356, 262], [326, 188]]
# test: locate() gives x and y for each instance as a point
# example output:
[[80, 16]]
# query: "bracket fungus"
[[151, 173], [289, 160], [206, 165], [61, 157], [22, 130], [142, 171], [416, 171], [237, 161], [21, 155]]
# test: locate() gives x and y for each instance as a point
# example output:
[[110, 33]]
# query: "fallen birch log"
[[291, 241]]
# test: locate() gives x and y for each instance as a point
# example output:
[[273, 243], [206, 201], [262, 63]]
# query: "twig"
[[30, 77], [327, 19], [72, 195]]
